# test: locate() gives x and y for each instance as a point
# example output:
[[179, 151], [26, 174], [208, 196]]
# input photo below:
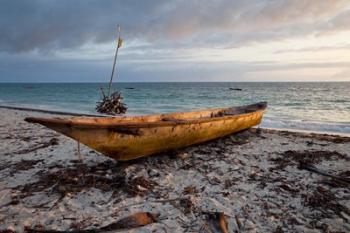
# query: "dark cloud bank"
[[51, 25]]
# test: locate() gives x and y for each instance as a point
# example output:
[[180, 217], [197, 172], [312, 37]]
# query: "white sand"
[[234, 175]]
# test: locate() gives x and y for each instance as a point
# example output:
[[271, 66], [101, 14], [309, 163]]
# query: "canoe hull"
[[127, 142]]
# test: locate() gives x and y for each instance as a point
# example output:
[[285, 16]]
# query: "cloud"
[[315, 49], [343, 75], [50, 25]]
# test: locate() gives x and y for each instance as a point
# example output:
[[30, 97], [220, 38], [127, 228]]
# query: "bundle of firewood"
[[111, 105]]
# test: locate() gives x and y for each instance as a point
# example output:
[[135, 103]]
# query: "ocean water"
[[303, 106]]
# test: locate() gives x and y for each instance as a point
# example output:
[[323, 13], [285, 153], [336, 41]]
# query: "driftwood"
[[312, 168], [52, 142], [133, 221], [217, 222]]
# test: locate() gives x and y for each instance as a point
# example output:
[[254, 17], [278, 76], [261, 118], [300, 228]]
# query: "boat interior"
[[170, 117]]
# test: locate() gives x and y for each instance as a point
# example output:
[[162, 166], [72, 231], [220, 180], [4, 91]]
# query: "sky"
[[175, 40]]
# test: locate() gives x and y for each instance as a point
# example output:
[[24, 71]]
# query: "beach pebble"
[[346, 204], [208, 204], [296, 219], [304, 229], [12, 228], [234, 168], [5, 197], [249, 226], [183, 155], [153, 173], [345, 216]]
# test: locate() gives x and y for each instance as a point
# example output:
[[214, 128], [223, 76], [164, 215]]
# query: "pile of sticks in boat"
[[111, 104]]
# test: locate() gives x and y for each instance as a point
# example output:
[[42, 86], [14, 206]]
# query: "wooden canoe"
[[126, 138]]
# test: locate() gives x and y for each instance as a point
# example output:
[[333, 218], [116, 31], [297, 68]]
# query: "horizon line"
[[179, 82]]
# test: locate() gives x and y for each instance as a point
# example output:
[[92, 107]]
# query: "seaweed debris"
[[291, 157], [104, 176], [22, 165], [325, 201], [139, 186]]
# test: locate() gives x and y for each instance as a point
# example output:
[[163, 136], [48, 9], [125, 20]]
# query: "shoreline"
[[304, 131], [68, 113]]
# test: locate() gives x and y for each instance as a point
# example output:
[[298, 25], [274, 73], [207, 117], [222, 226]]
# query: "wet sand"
[[260, 180]]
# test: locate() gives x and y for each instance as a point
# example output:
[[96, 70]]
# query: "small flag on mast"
[[120, 42]]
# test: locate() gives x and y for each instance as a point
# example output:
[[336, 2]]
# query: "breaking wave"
[[272, 122]]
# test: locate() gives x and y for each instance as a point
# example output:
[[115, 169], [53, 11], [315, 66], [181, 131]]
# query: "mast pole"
[[115, 60]]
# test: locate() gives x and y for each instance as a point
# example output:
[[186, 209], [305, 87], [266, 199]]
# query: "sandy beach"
[[261, 180]]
